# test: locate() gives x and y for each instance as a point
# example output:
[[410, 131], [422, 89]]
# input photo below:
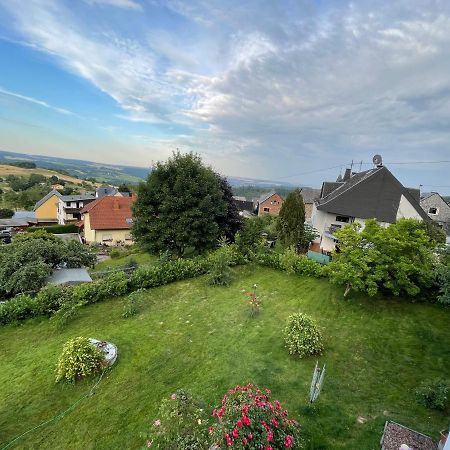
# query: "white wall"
[[406, 210]]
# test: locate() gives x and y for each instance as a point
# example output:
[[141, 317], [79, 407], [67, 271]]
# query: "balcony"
[[331, 230]]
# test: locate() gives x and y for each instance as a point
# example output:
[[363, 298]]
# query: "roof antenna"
[[377, 160], [360, 166]]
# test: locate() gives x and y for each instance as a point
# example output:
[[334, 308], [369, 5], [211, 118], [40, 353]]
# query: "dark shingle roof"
[[78, 197], [374, 193], [310, 194]]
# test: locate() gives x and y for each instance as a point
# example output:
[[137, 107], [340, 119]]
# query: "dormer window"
[[434, 211]]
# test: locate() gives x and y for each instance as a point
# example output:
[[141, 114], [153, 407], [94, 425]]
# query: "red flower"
[[210, 429], [246, 421], [269, 448], [274, 422], [288, 441], [250, 436], [269, 436], [229, 440], [244, 441], [239, 423], [235, 433]]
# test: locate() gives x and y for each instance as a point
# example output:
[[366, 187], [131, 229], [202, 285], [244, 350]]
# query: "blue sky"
[[274, 89]]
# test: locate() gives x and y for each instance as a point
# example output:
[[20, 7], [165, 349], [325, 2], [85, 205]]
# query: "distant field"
[[6, 170]]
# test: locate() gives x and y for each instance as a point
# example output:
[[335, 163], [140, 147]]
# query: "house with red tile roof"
[[108, 221]]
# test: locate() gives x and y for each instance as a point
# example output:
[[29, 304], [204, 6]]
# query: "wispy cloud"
[[34, 101], [125, 4]]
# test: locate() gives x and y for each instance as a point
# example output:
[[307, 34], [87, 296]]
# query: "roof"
[[24, 215], [395, 435], [46, 197], [69, 276], [78, 197], [105, 190], [110, 213], [264, 197], [19, 222], [373, 193], [310, 194]]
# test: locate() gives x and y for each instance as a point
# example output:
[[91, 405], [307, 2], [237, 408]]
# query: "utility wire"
[[59, 416]]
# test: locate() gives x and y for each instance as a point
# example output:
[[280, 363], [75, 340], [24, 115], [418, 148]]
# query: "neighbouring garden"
[[202, 338]]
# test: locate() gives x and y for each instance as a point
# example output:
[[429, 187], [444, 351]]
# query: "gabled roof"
[[374, 193], [77, 197], [45, 198], [310, 194], [105, 190], [110, 213], [265, 196]]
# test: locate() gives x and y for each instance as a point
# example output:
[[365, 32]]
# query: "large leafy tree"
[[291, 220], [397, 259], [181, 206]]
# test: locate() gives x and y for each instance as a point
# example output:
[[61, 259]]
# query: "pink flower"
[[246, 421], [235, 433], [288, 441], [269, 448], [239, 423], [229, 440], [157, 423], [250, 436], [274, 422], [244, 441], [269, 436], [173, 396], [210, 429]]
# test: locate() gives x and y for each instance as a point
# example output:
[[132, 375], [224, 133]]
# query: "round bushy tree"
[[302, 336], [78, 359], [181, 206]]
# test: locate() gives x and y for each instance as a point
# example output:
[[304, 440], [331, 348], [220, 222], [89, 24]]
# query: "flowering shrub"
[[255, 302], [248, 419], [181, 424], [78, 359], [302, 336]]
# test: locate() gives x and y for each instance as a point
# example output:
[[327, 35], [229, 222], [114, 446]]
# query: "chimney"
[[347, 175]]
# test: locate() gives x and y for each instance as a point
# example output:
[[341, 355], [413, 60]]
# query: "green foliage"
[[302, 336], [131, 264], [443, 281], [180, 424], [23, 164], [79, 359], [291, 220], [67, 312], [398, 259], [116, 253], [133, 303], [6, 213], [220, 272], [434, 394], [55, 229], [180, 206], [434, 231], [288, 259], [18, 308], [253, 192], [28, 261], [249, 239]]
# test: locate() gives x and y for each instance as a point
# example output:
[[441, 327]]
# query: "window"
[[68, 204], [266, 209], [106, 237], [128, 237], [433, 211], [342, 219]]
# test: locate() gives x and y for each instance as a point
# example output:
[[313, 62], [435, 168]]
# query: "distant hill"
[[114, 173]]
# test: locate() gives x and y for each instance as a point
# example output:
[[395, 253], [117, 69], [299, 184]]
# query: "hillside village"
[[359, 246]]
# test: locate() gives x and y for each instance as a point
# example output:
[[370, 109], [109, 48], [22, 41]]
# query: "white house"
[[70, 206], [356, 197]]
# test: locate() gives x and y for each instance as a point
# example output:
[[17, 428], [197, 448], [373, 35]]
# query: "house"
[[108, 221], [437, 209], [104, 191], [70, 206], [309, 196], [270, 204], [356, 197], [46, 209], [244, 206]]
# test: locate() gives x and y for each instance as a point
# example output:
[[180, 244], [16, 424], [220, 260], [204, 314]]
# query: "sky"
[[281, 90]]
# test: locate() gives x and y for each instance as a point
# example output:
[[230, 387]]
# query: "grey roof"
[[69, 276], [310, 194], [329, 186], [19, 222], [265, 196], [69, 237], [415, 193], [374, 193], [24, 215], [103, 191], [74, 198], [46, 197]]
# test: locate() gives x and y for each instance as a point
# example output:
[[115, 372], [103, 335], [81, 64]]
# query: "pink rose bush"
[[248, 419]]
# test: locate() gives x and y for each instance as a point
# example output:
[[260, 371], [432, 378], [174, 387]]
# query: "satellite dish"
[[378, 160]]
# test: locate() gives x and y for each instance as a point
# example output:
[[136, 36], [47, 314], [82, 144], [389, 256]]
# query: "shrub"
[[302, 336], [181, 424], [115, 253], [248, 418], [133, 303], [50, 298], [78, 359], [131, 264], [288, 260], [68, 311], [220, 272], [18, 308], [434, 394], [55, 229]]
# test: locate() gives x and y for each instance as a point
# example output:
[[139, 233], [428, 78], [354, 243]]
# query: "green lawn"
[[201, 338], [113, 263]]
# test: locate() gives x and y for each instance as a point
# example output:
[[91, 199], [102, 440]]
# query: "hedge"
[[56, 229]]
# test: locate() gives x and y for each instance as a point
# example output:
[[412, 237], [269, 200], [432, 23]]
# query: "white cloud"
[[34, 101], [125, 4]]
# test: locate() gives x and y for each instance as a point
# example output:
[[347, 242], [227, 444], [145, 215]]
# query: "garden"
[[191, 335]]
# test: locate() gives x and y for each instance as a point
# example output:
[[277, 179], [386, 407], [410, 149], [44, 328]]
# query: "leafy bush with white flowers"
[[302, 336]]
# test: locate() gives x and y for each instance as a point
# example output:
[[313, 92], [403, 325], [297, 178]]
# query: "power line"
[[413, 162], [311, 171]]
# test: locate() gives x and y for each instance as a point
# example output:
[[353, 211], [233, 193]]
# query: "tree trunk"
[[347, 290]]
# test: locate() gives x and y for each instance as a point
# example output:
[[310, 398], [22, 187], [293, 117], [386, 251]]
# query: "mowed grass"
[[141, 258], [190, 335]]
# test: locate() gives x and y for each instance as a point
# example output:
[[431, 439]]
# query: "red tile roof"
[[109, 213]]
